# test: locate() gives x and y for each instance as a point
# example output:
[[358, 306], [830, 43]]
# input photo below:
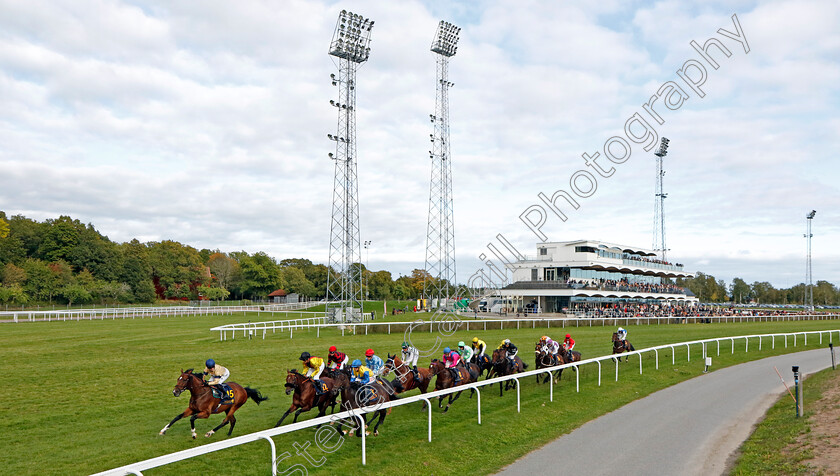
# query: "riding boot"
[[416, 374]]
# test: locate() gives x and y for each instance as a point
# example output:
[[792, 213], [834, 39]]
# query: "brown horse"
[[620, 346], [354, 396], [203, 403], [405, 380], [484, 364], [445, 379], [544, 358], [502, 367], [305, 397]]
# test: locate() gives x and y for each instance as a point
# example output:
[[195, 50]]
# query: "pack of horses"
[[338, 383]]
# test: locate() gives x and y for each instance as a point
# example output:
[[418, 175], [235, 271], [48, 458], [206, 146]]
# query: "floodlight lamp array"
[[351, 39], [446, 39], [662, 151]]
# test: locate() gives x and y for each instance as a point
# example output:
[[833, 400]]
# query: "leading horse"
[[203, 403], [620, 346], [544, 358]]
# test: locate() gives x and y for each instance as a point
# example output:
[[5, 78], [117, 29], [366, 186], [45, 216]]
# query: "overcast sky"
[[206, 122]]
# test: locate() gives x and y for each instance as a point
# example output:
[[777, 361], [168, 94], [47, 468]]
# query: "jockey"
[[312, 367], [552, 345], [622, 336], [479, 347], [373, 362], [451, 359], [465, 352], [510, 350], [361, 374], [337, 360], [217, 374], [568, 345], [410, 356]]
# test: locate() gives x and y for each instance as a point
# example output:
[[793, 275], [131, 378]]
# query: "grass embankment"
[[776, 446], [88, 396]]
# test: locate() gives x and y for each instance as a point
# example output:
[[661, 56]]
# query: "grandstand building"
[[587, 275]]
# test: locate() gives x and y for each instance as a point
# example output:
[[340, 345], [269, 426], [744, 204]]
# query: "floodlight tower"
[[659, 201], [809, 290], [440, 231], [350, 45]]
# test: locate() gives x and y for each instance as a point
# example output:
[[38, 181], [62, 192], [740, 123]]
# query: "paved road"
[[689, 429]]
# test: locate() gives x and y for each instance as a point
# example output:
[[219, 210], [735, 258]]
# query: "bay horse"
[[619, 347], [468, 374], [355, 396], [203, 403], [484, 364], [502, 367], [545, 358], [405, 380], [305, 398]]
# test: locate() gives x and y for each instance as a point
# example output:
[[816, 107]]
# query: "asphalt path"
[[690, 428]]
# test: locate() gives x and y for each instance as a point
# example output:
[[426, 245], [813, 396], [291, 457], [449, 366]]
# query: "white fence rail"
[[253, 329], [355, 415], [160, 311]]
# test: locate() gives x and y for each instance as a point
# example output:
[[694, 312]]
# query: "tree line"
[[65, 261], [709, 289]]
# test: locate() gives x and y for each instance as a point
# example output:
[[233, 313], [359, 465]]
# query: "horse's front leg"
[[285, 415], [192, 421], [297, 414], [186, 412]]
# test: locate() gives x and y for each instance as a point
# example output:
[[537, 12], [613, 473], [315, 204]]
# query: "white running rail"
[[348, 418], [253, 329]]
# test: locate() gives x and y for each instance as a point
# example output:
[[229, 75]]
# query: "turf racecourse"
[[85, 396]]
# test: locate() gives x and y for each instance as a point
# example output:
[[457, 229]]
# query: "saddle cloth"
[[225, 395]]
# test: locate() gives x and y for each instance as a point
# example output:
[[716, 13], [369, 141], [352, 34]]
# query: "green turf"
[[89, 396], [774, 446]]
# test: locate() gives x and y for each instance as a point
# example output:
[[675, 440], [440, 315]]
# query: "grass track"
[[95, 394]]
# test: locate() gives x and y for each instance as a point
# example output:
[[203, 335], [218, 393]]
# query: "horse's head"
[[615, 337], [389, 364], [436, 366], [292, 378], [342, 380], [185, 382]]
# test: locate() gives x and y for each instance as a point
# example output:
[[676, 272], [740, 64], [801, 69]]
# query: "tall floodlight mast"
[[440, 231], [659, 202], [809, 290], [350, 46]]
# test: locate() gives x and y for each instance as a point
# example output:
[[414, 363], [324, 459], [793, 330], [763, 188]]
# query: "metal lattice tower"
[[350, 46], [809, 290], [440, 231], [659, 202]]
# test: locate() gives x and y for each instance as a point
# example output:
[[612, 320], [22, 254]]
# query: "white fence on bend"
[[159, 311], [253, 329], [355, 415]]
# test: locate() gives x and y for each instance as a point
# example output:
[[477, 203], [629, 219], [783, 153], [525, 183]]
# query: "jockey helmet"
[[304, 356], [475, 340], [507, 341], [210, 363], [544, 338], [568, 336], [333, 349], [447, 350], [405, 345], [620, 329], [461, 344], [369, 353], [356, 363]]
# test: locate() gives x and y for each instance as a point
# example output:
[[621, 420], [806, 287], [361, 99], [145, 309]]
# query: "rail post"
[[831, 347], [577, 377], [429, 407], [362, 423], [273, 454], [477, 392]]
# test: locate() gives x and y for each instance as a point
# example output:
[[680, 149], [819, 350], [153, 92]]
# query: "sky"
[[207, 122]]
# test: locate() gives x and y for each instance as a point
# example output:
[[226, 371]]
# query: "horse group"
[[305, 396]]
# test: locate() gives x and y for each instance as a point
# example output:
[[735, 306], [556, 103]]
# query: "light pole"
[[809, 290], [367, 263], [659, 202]]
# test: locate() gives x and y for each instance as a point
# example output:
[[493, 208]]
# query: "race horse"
[[466, 374], [203, 403], [485, 364], [619, 346], [405, 380], [354, 396], [502, 367], [305, 397], [545, 358]]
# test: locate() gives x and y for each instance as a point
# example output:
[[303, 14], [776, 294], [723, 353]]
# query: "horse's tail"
[[524, 365], [255, 395]]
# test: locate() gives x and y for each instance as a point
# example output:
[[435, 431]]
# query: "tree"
[[4, 227], [12, 275], [174, 264], [260, 275], [213, 294], [740, 290], [380, 284], [136, 271], [296, 281], [75, 293], [13, 295], [60, 239], [224, 269]]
